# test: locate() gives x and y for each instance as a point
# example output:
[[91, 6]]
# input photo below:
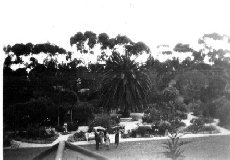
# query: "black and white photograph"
[[115, 79]]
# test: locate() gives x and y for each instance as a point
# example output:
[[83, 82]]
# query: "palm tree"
[[125, 85]]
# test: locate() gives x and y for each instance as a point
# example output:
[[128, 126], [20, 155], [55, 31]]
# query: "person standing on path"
[[97, 139], [117, 138], [101, 135], [107, 142]]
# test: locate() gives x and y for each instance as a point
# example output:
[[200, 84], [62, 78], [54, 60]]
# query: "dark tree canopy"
[[105, 42], [182, 48]]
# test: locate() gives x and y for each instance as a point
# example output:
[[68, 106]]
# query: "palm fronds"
[[124, 85], [173, 147]]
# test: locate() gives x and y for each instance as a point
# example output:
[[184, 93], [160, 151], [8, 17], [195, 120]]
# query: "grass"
[[22, 153], [214, 147]]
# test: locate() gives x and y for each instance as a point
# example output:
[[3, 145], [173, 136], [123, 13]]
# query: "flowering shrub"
[[78, 136], [198, 126]]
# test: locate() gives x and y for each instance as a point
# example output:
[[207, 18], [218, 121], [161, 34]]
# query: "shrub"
[[116, 118], [163, 126], [192, 128], [78, 136], [38, 140], [35, 135], [183, 116], [198, 121], [147, 119], [127, 135], [151, 115], [196, 129], [59, 129], [209, 129], [136, 116], [207, 119], [103, 120], [178, 124], [197, 125], [133, 133], [6, 139], [223, 113], [173, 147], [143, 130]]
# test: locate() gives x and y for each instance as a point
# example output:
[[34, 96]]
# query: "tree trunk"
[[71, 116]]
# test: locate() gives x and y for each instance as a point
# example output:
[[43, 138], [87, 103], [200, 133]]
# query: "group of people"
[[102, 137]]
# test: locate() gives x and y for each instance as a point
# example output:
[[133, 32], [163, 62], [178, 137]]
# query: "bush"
[[147, 119], [38, 140], [143, 130], [198, 121], [6, 139], [151, 115], [163, 126], [207, 119], [197, 125], [78, 136], [125, 135], [178, 124], [59, 129], [192, 128], [136, 116], [197, 129], [209, 129], [223, 114], [115, 117], [173, 146], [133, 133], [183, 116], [103, 120], [35, 135]]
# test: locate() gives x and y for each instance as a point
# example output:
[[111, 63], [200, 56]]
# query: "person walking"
[[117, 138], [107, 142], [97, 139], [87, 136], [101, 135]]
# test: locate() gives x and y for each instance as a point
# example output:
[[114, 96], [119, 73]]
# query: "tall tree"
[[125, 85], [215, 53], [87, 41]]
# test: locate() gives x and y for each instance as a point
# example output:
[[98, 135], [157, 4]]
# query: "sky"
[[152, 21]]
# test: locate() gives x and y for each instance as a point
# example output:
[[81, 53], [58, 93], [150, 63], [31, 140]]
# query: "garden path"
[[130, 125]]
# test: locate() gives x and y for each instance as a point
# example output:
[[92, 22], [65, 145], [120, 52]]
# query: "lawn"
[[22, 153], [214, 147]]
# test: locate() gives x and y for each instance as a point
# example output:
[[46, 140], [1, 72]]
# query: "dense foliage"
[[51, 92]]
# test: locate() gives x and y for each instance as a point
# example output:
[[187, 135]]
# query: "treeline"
[[53, 92]]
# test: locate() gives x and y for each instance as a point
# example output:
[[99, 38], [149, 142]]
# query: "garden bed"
[[38, 140]]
